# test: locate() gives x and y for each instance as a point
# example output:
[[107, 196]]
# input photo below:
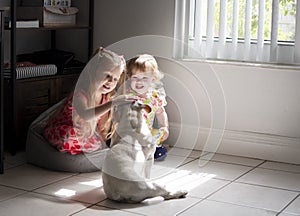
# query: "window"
[[239, 30]]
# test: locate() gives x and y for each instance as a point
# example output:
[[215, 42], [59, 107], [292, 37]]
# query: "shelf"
[[65, 27], [4, 8], [55, 86], [48, 28]]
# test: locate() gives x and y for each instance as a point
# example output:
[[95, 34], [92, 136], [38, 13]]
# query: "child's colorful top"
[[64, 135], [155, 100]]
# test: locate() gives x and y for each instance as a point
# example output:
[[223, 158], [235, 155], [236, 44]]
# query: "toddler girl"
[[144, 77]]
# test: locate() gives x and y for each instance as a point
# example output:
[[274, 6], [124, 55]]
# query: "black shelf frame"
[[13, 62], [2, 9], [13, 57]]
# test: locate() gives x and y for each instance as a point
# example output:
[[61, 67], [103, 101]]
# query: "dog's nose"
[[136, 105], [141, 105]]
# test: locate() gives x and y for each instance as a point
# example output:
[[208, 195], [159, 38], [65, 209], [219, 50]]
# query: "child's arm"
[[162, 119], [80, 104]]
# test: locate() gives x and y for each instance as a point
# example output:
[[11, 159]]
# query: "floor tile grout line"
[[188, 150], [81, 210], [82, 173], [187, 162], [96, 205], [225, 203], [258, 166], [192, 159], [209, 195], [32, 190], [12, 197], [37, 192], [55, 181], [242, 205], [293, 164], [253, 168], [236, 156], [14, 166], [228, 183], [229, 163], [288, 204], [280, 170], [219, 162], [64, 198], [115, 208], [14, 187], [236, 179], [189, 207], [49, 195], [266, 186]]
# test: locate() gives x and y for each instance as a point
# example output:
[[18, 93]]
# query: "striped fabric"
[[33, 71]]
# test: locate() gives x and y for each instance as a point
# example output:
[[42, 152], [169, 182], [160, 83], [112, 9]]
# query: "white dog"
[[128, 162]]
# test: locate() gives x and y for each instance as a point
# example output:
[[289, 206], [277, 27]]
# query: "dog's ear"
[[147, 108]]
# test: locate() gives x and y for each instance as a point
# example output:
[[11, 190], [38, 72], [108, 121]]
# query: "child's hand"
[[166, 133], [123, 99]]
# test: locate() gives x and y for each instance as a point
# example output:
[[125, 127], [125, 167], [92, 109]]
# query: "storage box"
[[41, 3], [58, 16], [49, 16]]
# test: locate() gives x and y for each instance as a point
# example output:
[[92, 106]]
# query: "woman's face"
[[109, 79], [141, 81]]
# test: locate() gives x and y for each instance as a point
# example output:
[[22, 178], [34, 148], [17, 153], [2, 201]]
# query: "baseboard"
[[241, 143]]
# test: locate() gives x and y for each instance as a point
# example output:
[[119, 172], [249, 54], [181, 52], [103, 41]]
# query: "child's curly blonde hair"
[[144, 63]]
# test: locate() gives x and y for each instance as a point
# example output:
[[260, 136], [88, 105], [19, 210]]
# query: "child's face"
[[109, 80], [141, 81]]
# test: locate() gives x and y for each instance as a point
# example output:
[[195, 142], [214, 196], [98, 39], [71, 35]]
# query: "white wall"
[[262, 110], [262, 104], [116, 19]]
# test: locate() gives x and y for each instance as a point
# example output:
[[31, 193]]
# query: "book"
[[26, 23], [28, 71], [40, 3]]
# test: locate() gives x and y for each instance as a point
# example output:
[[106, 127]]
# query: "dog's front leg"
[[148, 165]]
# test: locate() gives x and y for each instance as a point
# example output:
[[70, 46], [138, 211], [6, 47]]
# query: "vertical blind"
[[210, 42]]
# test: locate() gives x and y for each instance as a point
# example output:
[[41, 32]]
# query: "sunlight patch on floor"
[[93, 183], [184, 180], [65, 192]]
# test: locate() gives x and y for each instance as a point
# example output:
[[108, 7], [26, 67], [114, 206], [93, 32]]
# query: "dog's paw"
[[177, 194], [181, 194]]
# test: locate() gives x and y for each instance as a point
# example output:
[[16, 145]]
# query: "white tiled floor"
[[218, 185]]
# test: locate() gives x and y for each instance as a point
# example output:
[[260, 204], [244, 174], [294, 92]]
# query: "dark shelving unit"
[[12, 84], [2, 9]]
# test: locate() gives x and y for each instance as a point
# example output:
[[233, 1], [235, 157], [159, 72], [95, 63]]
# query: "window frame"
[[184, 47]]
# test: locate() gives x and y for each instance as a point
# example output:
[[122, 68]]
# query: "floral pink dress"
[[155, 100], [61, 132]]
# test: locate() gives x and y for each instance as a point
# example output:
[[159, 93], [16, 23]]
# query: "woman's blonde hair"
[[102, 60]]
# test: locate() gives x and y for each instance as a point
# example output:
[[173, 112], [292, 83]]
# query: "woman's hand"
[[123, 99]]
